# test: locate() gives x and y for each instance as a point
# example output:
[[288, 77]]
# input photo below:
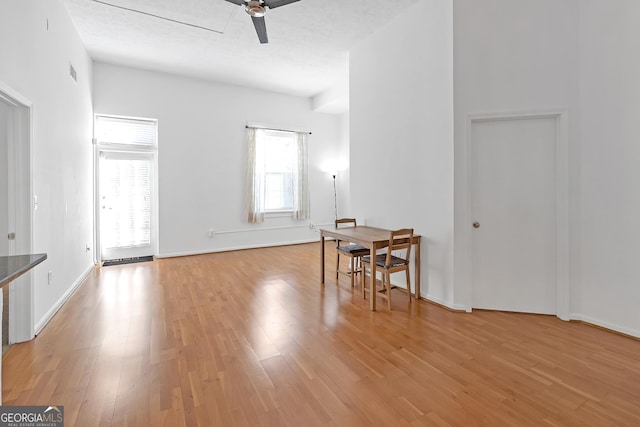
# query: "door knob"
[[476, 224]]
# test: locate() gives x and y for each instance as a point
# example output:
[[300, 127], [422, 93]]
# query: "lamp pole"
[[335, 198]]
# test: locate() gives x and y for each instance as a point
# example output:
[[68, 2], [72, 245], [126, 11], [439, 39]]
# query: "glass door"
[[126, 204]]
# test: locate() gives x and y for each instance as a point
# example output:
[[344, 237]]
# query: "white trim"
[[63, 299], [606, 325], [283, 213], [562, 201], [563, 229], [12, 122], [12, 96], [117, 116], [114, 146], [448, 304], [431, 298], [96, 202], [126, 148], [21, 291], [236, 248]]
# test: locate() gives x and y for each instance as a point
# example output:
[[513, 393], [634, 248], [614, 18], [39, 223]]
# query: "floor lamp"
[[335, 197]]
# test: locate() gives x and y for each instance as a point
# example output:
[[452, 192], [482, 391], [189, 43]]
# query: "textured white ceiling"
[[307, 52]]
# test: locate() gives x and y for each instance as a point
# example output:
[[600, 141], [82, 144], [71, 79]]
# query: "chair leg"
[[388, 289], [408, 284], [337, 266], [353, 270], [363, 280]]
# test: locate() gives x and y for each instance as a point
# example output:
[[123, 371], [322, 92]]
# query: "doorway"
[[16, 217], [518, 213], [125, 204], [126, 189]]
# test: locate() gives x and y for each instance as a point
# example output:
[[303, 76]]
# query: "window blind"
[[126, 200], [124, 130]]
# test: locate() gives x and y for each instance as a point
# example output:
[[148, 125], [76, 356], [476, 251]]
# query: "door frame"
[[562, 200], [20, 137], [149, 155], [155, 205]]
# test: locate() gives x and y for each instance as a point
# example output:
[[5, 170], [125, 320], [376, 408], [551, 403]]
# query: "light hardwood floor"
[[250, 338]]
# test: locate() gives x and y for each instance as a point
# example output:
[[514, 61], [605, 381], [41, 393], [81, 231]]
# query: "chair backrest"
[[400, 240], [341, 222]]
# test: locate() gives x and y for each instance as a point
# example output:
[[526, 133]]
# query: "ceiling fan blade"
[[261, 28], [238, 2], [272, 4]]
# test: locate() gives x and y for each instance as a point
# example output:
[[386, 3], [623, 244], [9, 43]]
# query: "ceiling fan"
[[256, 9]]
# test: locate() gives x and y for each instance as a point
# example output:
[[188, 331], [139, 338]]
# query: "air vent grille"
[[73, 73]]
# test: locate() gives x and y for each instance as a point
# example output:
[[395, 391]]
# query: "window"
[[279, 157], [125, 130], [277, 173]]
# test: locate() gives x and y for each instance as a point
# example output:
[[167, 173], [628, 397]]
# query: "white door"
[[126, 204], [4, 180], [513, 211]]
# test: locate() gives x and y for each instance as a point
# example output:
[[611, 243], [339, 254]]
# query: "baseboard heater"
[[127, 260]]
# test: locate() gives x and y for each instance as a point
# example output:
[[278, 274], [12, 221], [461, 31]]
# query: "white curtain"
[[300, 180], [255, 178]]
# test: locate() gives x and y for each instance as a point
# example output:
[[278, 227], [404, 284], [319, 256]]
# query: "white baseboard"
[[58, 305], [606, 325], [444, 303], [431, 298], [235, 248]]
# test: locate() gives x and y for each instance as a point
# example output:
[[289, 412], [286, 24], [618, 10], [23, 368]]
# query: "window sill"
[[278, 214]]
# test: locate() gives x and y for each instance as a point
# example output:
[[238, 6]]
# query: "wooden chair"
[[353, 251], [396, 259]]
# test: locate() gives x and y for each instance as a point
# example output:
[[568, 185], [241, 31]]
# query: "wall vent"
[[73, 73]]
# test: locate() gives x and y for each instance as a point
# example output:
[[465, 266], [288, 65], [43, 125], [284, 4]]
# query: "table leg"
[[373, 288], [417, 267], [321, 258]]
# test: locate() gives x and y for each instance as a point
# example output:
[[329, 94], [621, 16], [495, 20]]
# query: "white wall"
[[401, 119], [584, 61], [510, 57], [202, 155], [37, 44], [343, 180], [4, 182], [609, 159]]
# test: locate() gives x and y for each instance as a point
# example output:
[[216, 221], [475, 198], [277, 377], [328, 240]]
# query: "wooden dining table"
[[374, 239]]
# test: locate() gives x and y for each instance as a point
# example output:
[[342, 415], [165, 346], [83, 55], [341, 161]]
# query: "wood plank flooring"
[[250, 338]]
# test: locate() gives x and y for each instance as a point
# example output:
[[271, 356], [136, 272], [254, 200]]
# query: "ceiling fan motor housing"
[[254, 8]]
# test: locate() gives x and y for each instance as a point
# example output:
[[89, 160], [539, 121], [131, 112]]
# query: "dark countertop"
[[12, 267]]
